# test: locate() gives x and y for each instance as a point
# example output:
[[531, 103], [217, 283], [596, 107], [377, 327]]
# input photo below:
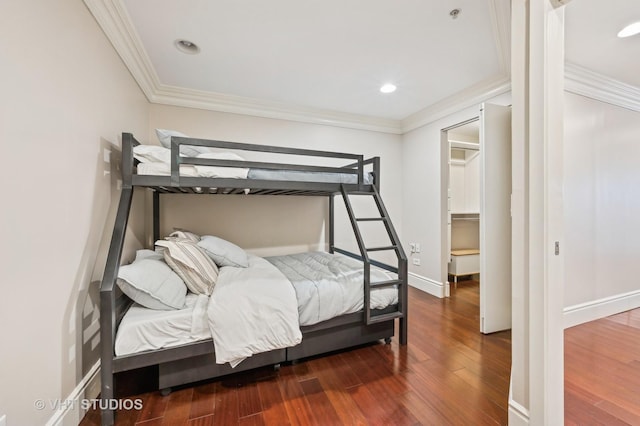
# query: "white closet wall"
[[464, 184]]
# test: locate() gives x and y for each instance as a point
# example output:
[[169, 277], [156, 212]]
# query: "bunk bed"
[[196, 360]]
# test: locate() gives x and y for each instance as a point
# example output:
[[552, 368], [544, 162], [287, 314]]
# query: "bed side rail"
[[375, 162], [177, 160]]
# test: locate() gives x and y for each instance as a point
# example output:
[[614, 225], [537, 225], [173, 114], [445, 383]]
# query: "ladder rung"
[[385, 317], [385, 283], [370, 219], [381, 248]]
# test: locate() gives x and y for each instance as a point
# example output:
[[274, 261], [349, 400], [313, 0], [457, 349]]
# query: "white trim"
[[434, 288], [71, 412], [112, 17], [601, 308], [190, 98], [518, 415], [582, 81], [467, 98]]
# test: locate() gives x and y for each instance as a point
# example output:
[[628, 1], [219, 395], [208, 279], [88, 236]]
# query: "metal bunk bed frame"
[[196, 361]]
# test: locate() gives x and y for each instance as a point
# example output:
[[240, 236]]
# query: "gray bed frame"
[[196, 361]]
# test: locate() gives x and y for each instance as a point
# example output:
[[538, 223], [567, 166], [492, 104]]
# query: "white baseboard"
[[518, 415], [601, 308], [428, 285], [71, 412]]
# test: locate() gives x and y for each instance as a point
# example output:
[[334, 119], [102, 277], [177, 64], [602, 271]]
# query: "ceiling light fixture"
[[388, 88], [630, 30], [186, 46]]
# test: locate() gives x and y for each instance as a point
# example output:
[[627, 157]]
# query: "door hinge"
[[557, 248]]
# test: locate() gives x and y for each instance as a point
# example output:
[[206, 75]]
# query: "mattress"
[[329, 285], [301, 176], [164, 169], [144, 329]]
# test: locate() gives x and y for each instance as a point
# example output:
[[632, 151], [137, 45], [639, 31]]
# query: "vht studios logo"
[[87, 404]]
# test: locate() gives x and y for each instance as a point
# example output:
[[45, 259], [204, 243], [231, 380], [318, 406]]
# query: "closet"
[[464, 201]]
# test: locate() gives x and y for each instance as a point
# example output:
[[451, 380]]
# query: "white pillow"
[[152, 154], [164, 136], [223, 252], [191, 263], [152, 284]]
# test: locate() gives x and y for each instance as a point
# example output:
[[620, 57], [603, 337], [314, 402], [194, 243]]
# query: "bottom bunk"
[[267, 312]]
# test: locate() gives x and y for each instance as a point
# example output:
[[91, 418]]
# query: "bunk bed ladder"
[[401, 270]]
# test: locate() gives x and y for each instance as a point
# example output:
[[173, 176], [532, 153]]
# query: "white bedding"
[[144, 329], [330, 285], [256, 309], [252, 310], [156, 161]]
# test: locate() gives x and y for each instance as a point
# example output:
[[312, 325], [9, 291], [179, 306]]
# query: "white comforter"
[[252, 310], [329, 285]]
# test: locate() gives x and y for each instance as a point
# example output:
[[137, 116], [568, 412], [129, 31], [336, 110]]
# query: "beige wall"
[[270, 225], [601, 200], [66, 96]]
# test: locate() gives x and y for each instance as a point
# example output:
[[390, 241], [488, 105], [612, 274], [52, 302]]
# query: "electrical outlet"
[[416, 261], [417, 247], [412, 247]]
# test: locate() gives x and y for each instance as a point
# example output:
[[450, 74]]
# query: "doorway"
[[476, 192]]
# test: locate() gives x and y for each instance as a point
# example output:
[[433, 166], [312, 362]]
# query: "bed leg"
[[403, 331], [387, 340], [107, 416], [276, 367], [165, 391]]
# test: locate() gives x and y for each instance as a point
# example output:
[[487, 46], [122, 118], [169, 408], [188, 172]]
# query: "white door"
[[495, 218]]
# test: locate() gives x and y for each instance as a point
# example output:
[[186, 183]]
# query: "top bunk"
[[202, 166]]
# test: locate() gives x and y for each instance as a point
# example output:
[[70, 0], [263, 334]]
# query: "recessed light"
[[388, 88], [630, 30], [187, 46]]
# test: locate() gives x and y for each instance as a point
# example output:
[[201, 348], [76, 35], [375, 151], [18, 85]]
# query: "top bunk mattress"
[[154, 160], [164, 169]]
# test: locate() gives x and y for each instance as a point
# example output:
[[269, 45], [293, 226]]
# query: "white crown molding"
[[582, 81], [116, 24], [112, 17], [469, 97], [178, 96]]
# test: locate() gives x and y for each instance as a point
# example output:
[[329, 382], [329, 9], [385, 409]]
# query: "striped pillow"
[[183, 234], [191, 263]]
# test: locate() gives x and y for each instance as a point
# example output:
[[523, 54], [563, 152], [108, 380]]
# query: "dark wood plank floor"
[[448, 374], [602, 371]]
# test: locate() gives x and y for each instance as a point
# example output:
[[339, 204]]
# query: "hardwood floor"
[[602, 371], [448, 374]]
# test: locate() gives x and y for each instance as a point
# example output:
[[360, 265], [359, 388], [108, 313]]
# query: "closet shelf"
[[465, 216]]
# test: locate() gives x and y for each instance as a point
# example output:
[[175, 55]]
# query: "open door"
[[495, 213]]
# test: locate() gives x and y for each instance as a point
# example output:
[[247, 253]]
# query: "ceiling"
[[325, 61]]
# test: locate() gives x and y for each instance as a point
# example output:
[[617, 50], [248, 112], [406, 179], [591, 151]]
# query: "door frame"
[[445, 219]]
